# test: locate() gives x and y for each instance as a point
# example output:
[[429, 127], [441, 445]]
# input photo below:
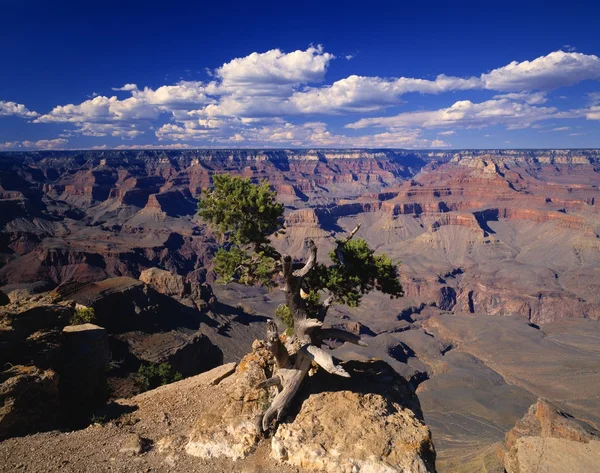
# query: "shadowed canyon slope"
[[499, 251]]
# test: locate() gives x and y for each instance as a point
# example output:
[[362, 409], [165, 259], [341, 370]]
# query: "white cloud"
[[278, 132], [120, 130], [126, 88], [561, 128], [101, 110], [557, 69], [259, 72], [183, 95], [15, 109], [593, 113], [9, 145], [532, 98], [465, 113], [359, 93], [151, 146], [58, 143], [594, 98], [259, 91]]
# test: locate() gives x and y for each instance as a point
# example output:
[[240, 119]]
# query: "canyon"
[[499, 254]]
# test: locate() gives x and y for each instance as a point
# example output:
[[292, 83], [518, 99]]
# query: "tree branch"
[[325, 307], [310, 263], [323, 359], [273, 381], [280, 353], [342, 335], [349, 237], [291, 380]]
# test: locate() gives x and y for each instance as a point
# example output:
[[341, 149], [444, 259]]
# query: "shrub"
[[83, 315], [284, 314], [153, 375]]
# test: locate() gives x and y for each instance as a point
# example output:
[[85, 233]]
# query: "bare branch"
[[280, 353], [342, 335], [310, 263], [323, 359], [349, 237], [325, 307], [291, 380], [286, 261], [273, 381]]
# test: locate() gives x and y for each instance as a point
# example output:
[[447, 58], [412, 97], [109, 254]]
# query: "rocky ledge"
[[371, 422]]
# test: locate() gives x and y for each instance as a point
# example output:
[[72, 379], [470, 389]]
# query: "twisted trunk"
[[293, 360]]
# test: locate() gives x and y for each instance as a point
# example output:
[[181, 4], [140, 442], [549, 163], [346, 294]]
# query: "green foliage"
[[153, 375], [246, 213], [362, 272], [240, 265], [284, 314], [83, 315], [98, 419]]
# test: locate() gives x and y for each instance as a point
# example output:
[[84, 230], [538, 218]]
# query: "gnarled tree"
[[247, 215]]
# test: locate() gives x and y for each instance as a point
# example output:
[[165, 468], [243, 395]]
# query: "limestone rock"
[[552, 455], [230, 428], [547, 439], [165, 282], [349, 432], [84, 367], [29, 400], [133, 444]]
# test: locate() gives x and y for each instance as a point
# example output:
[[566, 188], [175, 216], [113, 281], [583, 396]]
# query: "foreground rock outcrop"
[[350, 432], [29, 400], [370, 422], [549, 440]]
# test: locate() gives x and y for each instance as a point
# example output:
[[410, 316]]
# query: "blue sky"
[[303, 74]]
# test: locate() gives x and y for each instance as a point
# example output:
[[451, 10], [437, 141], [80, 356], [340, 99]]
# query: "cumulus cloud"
[[58, 143], [183, 95], [151, 146], [557, 69], [260, 72], [101, 109], [15, 109], [278, 132], [124, 131], [465, 113], [126, 88], [9, 145], [593, 113], [359, 93], [249, 100], [532, 98]]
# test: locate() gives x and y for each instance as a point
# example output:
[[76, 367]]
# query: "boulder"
[[29, 400], [187, 353], [83, 381], [231, 427], [347, 432], [371, 422], [547, 439], [120, 304], [165, 282]]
